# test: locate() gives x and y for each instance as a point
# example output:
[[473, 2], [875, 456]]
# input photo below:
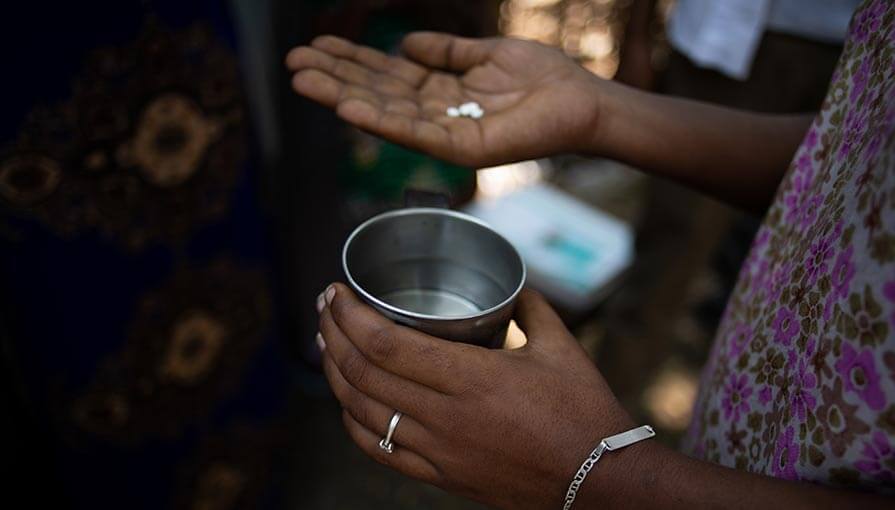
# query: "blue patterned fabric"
[[135, 272]]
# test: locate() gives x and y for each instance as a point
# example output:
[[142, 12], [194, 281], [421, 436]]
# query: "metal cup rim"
[[407, 313]]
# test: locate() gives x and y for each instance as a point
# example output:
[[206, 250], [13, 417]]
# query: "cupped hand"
[[505, 427], [537, 101]]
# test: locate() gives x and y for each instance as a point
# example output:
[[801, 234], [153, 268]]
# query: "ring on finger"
[[386, 443]]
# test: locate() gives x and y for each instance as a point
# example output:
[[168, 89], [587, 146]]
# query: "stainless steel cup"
[[439, 271]]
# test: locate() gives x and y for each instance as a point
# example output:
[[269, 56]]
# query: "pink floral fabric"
[[800, 383]]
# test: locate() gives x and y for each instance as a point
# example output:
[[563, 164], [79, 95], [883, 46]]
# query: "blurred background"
[[170, 209]]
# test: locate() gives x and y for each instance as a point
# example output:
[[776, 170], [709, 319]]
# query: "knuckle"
[[442, 361], [358, 410], [474, 385], [340, 68], [341, 390], [466, 389], [355, 370], [381, 342]]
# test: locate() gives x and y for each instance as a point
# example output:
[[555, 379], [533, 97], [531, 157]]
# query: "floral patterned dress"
[[800, 383]]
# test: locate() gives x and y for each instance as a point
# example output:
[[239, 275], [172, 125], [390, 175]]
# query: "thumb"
[[444, 51], [540, 323]]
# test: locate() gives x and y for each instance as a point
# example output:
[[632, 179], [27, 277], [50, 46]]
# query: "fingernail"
[[321, 344], [320, 303], [330, 294]]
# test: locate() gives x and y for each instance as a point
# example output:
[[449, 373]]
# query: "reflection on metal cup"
[[442, 272]]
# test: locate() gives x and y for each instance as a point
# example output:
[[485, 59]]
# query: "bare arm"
[[517, 444], [734, 155], [652, 476], [538, 103]]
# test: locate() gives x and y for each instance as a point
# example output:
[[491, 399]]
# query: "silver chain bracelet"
[[610, 443]]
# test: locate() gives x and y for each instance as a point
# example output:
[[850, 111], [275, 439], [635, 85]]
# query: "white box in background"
[[574, 253]]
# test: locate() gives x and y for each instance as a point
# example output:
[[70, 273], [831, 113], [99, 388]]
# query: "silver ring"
[[386, 443]]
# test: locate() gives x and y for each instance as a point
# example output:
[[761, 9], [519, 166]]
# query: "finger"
[[412, 132], [391, 124], [393, 390], [348, 71], [375, 415], [535, 317], [402, 69], [396, 120], [401, 459], [400, 350], [329, 91], [445, 51], [305, 57], [319, 86], [401, 106]]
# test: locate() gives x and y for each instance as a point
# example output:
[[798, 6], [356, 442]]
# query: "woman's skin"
[[539, 103], [509, 428]]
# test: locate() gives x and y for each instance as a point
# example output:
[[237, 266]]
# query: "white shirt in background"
[[724, 34]]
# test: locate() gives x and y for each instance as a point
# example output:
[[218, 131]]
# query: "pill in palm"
[[469, 109]]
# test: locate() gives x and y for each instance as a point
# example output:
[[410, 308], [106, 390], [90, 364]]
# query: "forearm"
[[733, 155], [653, 476]]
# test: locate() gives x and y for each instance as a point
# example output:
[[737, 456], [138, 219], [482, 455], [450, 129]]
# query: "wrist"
[[610, 116], [626, 478]]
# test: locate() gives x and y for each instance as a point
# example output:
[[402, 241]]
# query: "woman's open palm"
[[536, 100]]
